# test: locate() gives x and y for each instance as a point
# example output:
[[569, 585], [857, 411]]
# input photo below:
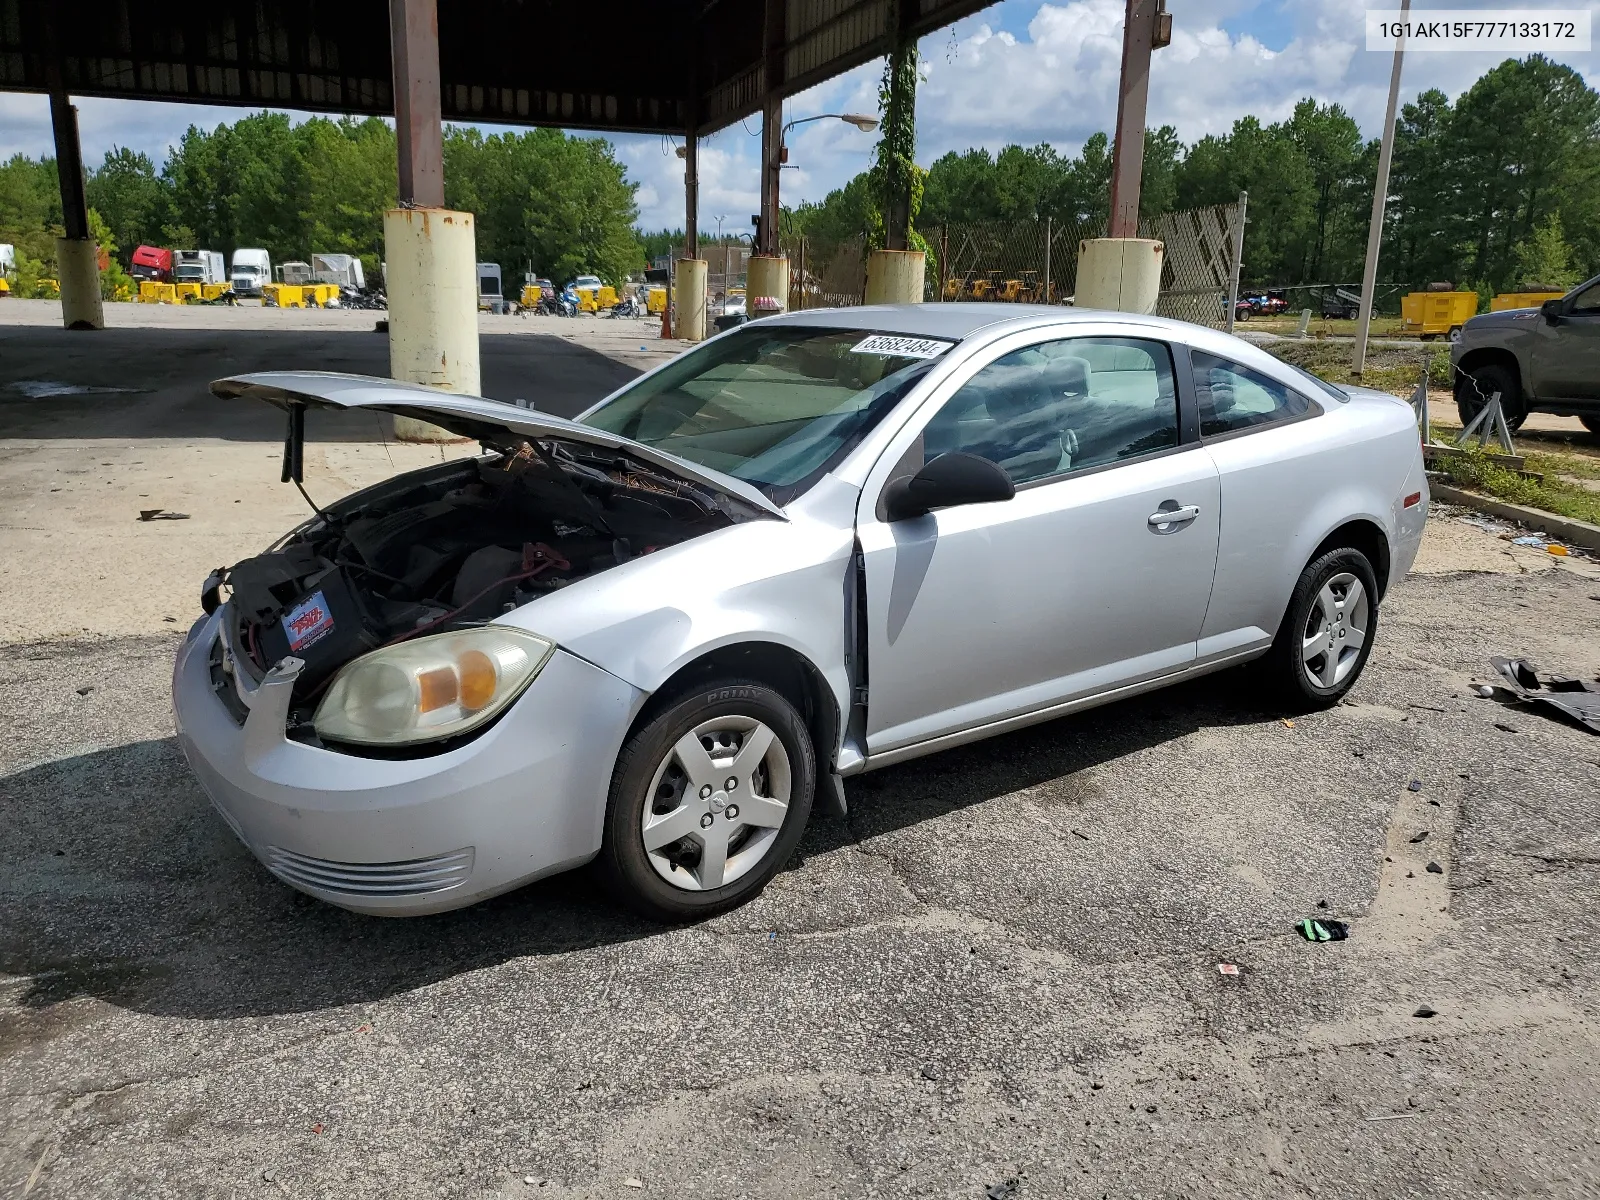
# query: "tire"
[[1474, 388], [1335, 600], [1454, 335], [666, 784], [1592, 424]]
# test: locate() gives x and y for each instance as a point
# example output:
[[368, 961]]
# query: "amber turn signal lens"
[[477, 679], [437, 688]]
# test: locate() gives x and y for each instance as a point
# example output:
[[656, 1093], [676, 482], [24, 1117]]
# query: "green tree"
[[130, 196], [1544, 260], [115, 283], [1331, 146]]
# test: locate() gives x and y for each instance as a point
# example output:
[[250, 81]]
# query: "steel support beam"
[[774, 22], [1133, 94], [419, 130], [69, 166]]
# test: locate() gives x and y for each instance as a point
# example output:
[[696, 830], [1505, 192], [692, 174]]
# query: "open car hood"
[[469, 416]]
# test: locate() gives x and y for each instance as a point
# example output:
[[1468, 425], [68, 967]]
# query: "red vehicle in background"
[[153, 264]]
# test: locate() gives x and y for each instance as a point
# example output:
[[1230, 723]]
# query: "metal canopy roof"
[[613, 65]]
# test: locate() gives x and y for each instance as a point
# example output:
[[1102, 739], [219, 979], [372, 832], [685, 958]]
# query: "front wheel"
[[708, 800], [1473, 390], [1327, 631]]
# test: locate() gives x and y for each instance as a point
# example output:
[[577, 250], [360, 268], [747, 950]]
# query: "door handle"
[[1165, 520]]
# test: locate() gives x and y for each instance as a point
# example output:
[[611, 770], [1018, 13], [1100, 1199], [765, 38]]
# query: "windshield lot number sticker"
[[307, 622], [901, 347]]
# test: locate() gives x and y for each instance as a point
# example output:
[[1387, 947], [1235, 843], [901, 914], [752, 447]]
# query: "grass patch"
[[1477, 472], [1389, 369]]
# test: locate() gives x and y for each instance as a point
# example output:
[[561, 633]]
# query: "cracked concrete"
[[1005, 967]]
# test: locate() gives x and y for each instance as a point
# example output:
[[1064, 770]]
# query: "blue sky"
[[1020, 71]]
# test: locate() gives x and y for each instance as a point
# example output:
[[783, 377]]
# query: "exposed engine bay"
[[452, 546]]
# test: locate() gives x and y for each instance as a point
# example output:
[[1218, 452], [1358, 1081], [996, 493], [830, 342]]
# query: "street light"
[[864, 123]]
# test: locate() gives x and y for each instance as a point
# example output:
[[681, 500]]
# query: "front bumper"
[[410, 836]]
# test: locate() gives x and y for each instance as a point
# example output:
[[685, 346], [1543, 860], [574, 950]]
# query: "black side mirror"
[[946, 482], [1551, 310]]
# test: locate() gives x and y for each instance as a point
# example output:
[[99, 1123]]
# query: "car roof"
[[963, 319]]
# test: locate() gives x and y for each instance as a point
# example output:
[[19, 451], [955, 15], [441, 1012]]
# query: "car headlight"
[[430, 688]]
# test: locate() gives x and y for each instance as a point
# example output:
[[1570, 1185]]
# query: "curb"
[[1575, 533]]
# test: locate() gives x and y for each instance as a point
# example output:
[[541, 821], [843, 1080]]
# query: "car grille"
[[413, 877]]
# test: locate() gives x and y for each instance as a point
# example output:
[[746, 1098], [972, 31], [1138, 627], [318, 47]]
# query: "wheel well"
[[1490, 356], [1365, 537], [785, 671]]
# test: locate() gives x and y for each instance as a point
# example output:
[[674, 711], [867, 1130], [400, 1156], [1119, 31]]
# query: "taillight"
[[1412, 500]]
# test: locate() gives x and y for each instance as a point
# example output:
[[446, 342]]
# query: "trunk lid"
[[469, 416]]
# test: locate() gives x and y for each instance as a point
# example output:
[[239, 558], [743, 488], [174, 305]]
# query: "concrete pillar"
[[689, 299], [77, 267], [78, 270], [1119, 274], [432, 280], [896, 276], [766, 279]]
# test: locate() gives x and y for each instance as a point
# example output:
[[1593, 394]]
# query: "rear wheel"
[[1326, 635], [1473, 389], [708, 800]]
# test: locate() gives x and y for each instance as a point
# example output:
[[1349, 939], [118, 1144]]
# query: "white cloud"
[[1023, 71]]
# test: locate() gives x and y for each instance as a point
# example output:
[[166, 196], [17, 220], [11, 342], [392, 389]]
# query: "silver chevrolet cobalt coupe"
[[816, 545]]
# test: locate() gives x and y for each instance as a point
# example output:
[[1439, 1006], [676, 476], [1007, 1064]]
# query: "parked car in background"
[[249, 271], [823, 543], [1544, 359]]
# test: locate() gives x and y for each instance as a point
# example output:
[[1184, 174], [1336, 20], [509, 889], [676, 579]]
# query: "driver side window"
[[1062, 406], [1587, 302]]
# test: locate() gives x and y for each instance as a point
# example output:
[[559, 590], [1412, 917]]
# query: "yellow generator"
[[151, 292], [588, 300], [1507, 300], [1432, 313], [655, 299]]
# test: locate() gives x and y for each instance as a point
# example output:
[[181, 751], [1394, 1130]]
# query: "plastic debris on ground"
[[1228, 969], [161, 514], [1414, 786], [1003, 1190], [1322, 929], [1576, 699], [1424, 1012]]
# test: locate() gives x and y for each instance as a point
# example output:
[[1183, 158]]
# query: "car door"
[[1566, 353], [1094, 575], [1274, 464]]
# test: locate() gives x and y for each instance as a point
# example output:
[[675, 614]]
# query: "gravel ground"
[[1004, 967]]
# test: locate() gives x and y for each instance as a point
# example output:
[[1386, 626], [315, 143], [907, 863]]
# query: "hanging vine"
[[897, 180]]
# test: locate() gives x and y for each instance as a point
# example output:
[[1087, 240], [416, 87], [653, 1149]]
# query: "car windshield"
[[774, 405]]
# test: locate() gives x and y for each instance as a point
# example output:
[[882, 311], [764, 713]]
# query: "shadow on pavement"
[[128, 888], [154, 383]]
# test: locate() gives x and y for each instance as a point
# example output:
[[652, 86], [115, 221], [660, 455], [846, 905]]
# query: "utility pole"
[[1380, 202]]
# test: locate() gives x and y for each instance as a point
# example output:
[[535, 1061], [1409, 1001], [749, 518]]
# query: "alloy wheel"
[[717, 801], [1336, 629]]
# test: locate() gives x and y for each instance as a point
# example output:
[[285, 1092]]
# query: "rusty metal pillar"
[[691, 193], [774, 22], [430, 252], [69, 166], [77, 257], [419, 129], [1145, 26]]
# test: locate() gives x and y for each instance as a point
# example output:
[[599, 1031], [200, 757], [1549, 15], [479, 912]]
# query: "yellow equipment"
[[151, 292], [298, 295], [608, 298], [1433, 313], [192, 292], [655, 299], [1507, 300], [588, 300], [530, 295]]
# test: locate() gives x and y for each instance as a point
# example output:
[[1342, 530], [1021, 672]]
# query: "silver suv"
[[1544, 359]]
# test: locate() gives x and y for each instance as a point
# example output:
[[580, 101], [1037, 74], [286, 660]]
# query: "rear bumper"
[[412, 836]]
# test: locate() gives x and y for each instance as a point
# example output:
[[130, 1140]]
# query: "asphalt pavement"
[[1000, 977]]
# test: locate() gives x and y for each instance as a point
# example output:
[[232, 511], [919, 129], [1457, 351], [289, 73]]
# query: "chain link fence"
[[1033, 262]]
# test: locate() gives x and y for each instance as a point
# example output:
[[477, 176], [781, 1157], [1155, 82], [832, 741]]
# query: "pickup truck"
[[1544, 359]]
